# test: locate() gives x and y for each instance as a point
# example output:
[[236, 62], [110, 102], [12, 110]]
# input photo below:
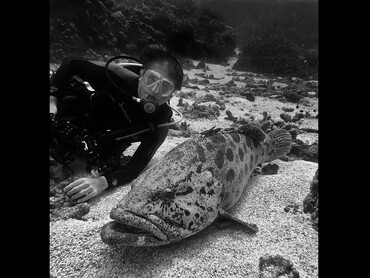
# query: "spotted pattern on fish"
[[235, 137], [218, 139], [184, 192], [210, 147], [229, 154], [246, 168], [241, 154], [201, 153], [248, 142], [219, 159]]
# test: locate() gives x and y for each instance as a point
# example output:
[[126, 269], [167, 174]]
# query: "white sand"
[[76, 249]]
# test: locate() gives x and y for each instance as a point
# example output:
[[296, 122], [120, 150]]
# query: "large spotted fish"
[[192, 185]]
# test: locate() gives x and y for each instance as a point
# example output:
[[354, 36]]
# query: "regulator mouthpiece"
[[148, 105]]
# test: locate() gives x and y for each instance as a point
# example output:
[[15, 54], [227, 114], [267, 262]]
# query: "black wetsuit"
[[104, 112]]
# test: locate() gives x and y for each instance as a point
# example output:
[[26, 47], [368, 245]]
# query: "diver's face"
[[155, 83]]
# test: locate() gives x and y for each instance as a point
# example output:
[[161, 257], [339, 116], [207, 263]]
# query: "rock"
[[293, 208], [208, 97], [187, 64], [181, 102], [230, 116], [287, 126], [215, 107], [298, 116], [185, 79], [294, 133], [220, 102], [76, 212], [270, 169], [242, 121], [203, 82], [292, 96], [286, 158], [248, 95], [278, 122], [286, 109], [286, 117], [311, 201], [201, 64], [230, 83], [300, 150], [276, 266], [265, 125]]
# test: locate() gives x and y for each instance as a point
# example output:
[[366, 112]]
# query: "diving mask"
[[157, 83]]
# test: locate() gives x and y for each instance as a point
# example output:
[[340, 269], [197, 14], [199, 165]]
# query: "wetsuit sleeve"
[[69, 67], [139, 160]]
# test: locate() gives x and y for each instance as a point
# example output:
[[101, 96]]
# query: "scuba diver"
[[117, 104]]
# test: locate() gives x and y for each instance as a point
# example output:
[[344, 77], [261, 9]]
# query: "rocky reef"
[[103, 28]]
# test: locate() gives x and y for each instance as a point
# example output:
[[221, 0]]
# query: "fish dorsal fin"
[[223, 215], [251, 130]]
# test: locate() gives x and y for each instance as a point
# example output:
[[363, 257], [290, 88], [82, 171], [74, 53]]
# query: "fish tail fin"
[[282, 145]]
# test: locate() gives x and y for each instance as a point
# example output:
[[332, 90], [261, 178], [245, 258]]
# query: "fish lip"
[[135, 220], [155, 230]]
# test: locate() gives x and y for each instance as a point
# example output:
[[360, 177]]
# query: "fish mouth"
[[132, 229]]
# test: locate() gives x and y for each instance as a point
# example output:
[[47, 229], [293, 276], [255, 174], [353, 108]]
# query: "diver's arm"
[[139, 160], [93, 72]]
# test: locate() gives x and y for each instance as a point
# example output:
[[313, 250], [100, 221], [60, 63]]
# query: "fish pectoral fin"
[[224, 219]]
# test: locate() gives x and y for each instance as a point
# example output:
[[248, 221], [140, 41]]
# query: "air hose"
[[160, 125]]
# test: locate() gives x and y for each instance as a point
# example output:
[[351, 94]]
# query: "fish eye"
[[168, 192]]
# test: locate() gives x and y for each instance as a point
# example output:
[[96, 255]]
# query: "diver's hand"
[[53, 109], [86, 188], [53, 105]]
